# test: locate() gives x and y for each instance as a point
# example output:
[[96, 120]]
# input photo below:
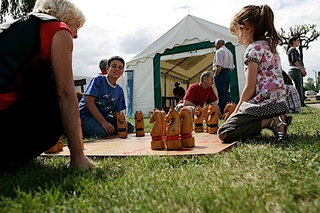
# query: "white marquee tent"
[[180, 55]]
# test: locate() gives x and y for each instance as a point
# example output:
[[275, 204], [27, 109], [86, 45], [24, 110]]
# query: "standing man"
[[223, 65]]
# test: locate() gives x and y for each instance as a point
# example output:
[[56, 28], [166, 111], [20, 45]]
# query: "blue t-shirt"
[[108, 97]]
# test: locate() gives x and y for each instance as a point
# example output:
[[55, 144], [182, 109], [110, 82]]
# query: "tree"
[[15, 8], [310, 84], [306, 32]]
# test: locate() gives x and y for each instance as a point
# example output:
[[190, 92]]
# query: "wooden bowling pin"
[[213, 119], [173, 130], [122, 126], [139, 124], [158, 141], [198, 119], [56, 148], [186, 128]]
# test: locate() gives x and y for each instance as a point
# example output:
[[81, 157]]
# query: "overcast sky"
[[126, 27]]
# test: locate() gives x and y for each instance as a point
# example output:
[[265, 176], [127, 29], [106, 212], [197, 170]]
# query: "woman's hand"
[[81, 162]]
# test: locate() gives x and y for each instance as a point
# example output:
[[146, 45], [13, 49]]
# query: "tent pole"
[[165, 85]]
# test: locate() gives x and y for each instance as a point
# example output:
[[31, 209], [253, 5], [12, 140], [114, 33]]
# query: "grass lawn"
[[259, 175]]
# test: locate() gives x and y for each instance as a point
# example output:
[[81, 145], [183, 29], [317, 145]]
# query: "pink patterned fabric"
[[270, 87]]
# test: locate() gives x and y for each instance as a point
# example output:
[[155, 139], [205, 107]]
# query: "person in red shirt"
[[37, 94], [199, 94]]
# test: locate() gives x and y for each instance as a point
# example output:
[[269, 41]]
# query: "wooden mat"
[[205, 143]]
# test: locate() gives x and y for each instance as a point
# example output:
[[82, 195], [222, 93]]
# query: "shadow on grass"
[[44, 173], [298, 140]]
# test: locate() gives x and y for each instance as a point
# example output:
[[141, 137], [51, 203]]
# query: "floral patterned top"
[[270, 87]]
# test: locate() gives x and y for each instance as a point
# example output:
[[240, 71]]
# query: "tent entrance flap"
[[184, 64], [184, 70]]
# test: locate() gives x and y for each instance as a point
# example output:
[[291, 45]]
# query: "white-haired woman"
[[38, 102]]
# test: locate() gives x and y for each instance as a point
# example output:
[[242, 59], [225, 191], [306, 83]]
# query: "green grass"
[[259, 175]]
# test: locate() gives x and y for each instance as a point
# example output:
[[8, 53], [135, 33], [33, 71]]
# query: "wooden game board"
[[205, 143]]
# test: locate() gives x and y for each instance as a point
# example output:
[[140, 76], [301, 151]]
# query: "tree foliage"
[[309, 85], [307, 33], [15, 8]]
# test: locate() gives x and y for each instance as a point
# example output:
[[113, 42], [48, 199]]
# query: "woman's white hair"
[[64, 10]]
